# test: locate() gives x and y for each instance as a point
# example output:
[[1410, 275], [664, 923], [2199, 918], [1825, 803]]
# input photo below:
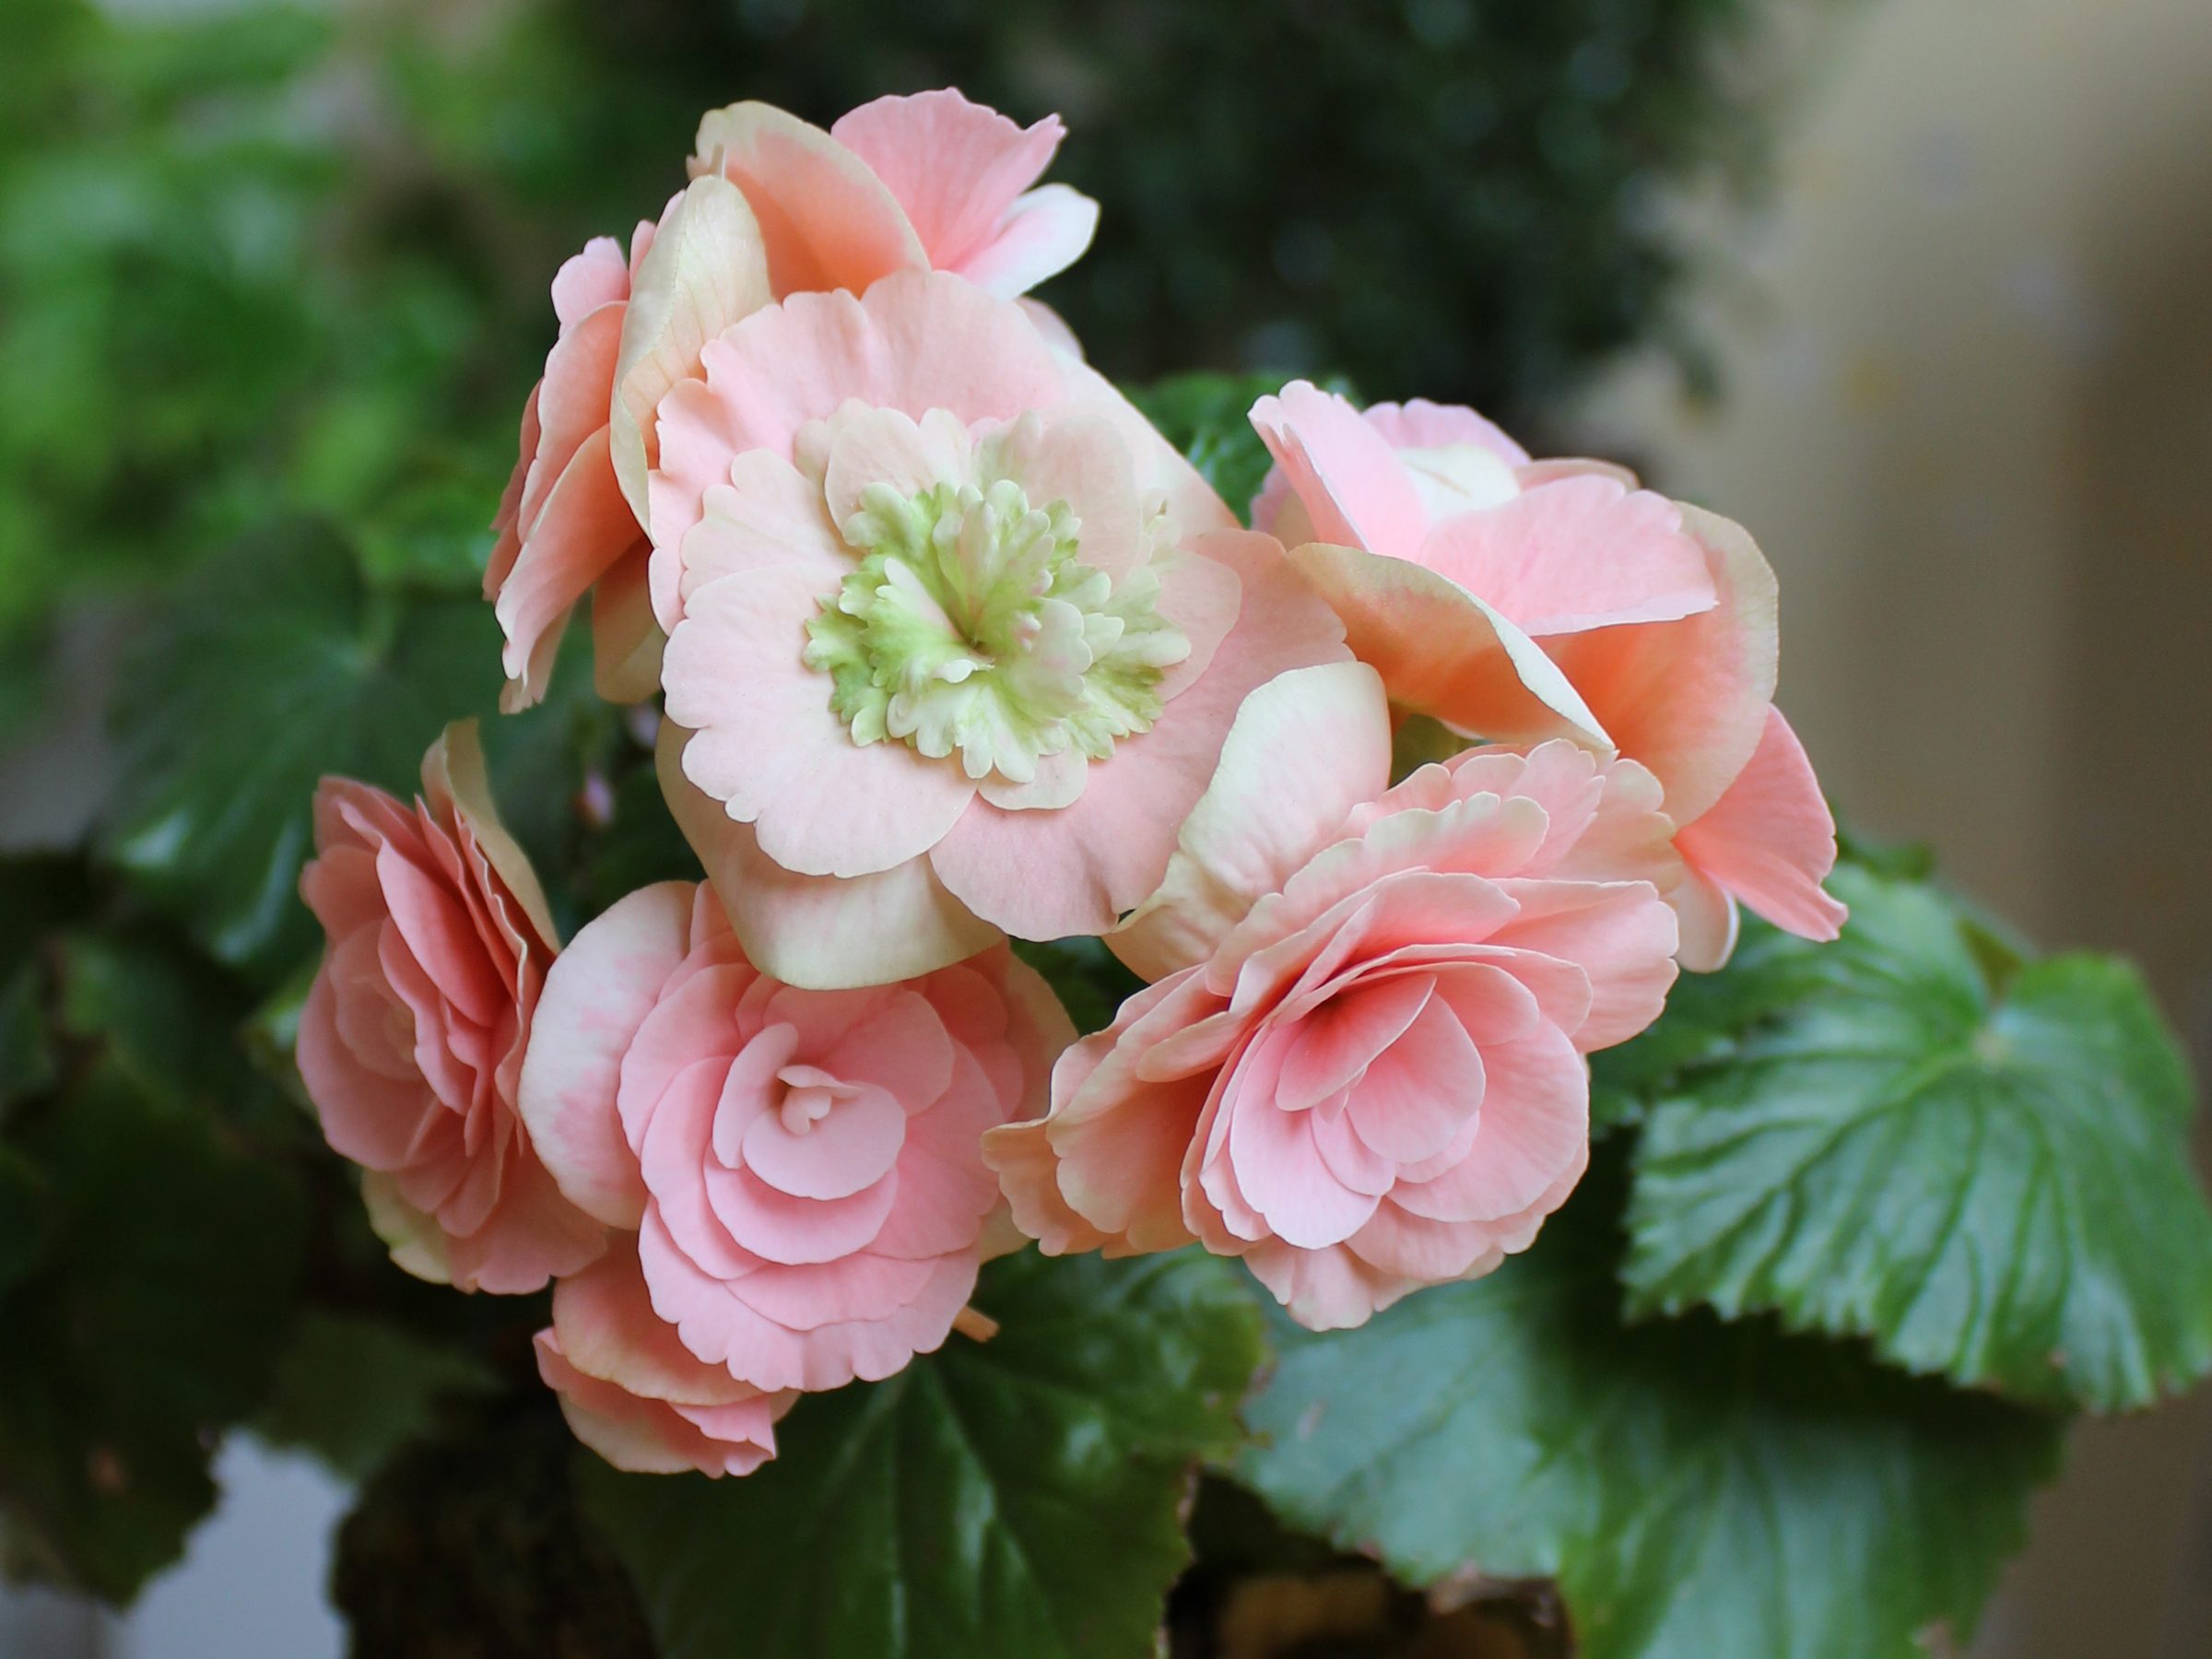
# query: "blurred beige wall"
[[1968, 411]]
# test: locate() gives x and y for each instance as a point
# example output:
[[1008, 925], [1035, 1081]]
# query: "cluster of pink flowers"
[[952, 646]]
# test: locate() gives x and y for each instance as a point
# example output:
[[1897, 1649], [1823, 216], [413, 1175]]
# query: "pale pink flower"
[[411, 1043], [902, 183], [956, 635], [634, 1393], [802, 1169], [564, 527], [925, 181], [1360, 1067], [1515, 599]]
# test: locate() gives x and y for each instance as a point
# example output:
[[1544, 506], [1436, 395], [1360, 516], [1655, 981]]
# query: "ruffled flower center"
[[972, 624], [810, 1095]]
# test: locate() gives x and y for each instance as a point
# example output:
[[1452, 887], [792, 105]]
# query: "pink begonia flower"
[[956, 634], [634, 1393], [411, 1043], [801, 1168], [1513, 599], [777, 206], [1360, 1067]]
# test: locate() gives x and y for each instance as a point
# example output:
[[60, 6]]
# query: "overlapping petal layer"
[[1361, 1069], [801, 1168], [412, 1040]]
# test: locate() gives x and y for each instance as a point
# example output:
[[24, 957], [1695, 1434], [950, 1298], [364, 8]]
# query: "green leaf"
[[1090, 981], [1205, 416], [25, 1211], [27, 1064], [274, 666], [1707, 1016], [1697, 1488], [150, 1322], [353, 1389], [1017, 1496], [1997, 1189]]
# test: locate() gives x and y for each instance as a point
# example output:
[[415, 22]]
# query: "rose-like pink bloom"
[[634, 1393], [1360, 1067], [925, 182], [411, 1043], [802, 1168], [1515, 599], [957, 635]]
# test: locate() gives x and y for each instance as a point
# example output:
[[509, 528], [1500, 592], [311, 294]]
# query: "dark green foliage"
[[1697, 1488], [149, 1316], [1020, 1495], [353, 1389], [276, 665], [1450, 198], [472, 1544]]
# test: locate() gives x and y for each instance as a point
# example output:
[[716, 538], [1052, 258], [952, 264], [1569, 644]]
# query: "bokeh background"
[[1921, 291]]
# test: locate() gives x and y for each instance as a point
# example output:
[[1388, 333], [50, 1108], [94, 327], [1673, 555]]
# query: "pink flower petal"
[[1420, 1091], [1770, 841], [1532, 1141], [1045, 231], [821, 932], [955, 167], [1332, 1048], [766, 743], [1620, 934], [1419, 424], [1441, 651], [598, 994], [703, 269], [1580, 553], [1689, 699], [856, 1147], [826, 220], [1354, 489], [1282, 1173], [793, 1232], [1305, 748]]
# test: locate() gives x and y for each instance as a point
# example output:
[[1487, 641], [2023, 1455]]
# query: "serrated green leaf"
[[1997, 1190], [352, 1389], [1016, 1498], [274, 666], [1707, 1016], [149, 1323], [1697, 1488]]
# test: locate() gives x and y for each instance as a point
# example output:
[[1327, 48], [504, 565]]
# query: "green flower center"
[[970, 624]]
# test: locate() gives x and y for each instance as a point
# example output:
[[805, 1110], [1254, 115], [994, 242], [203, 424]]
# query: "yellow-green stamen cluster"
[[969, 624]]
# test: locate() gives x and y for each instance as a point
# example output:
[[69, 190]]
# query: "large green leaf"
[[275, 665], [1018, 1496], [1993, 1186], [352, 1389], [148, 1322], [1697, 1488]]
